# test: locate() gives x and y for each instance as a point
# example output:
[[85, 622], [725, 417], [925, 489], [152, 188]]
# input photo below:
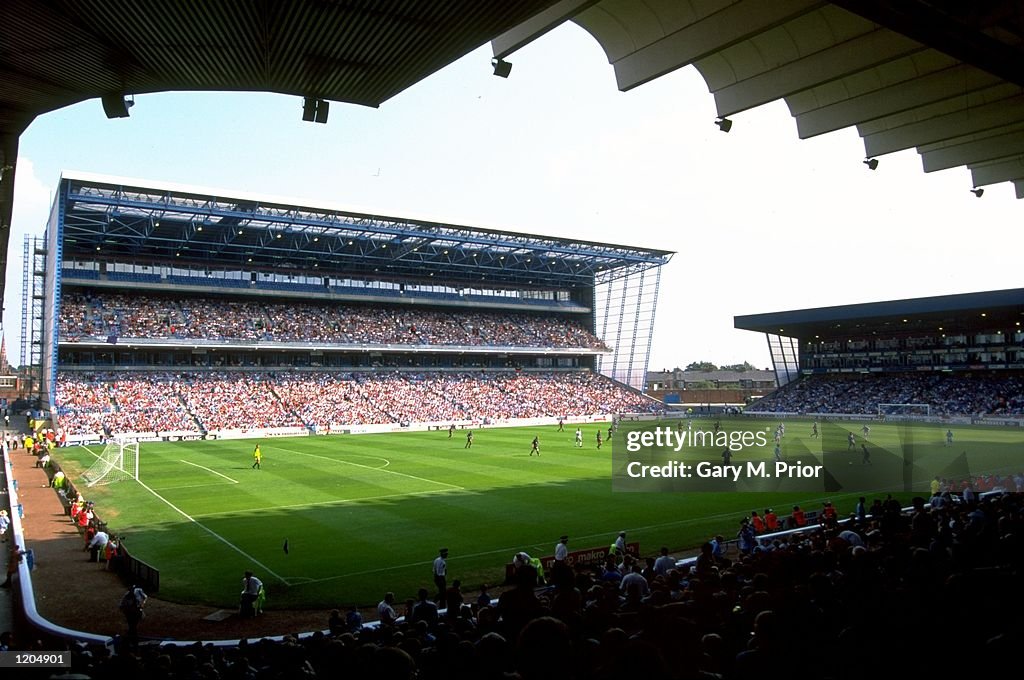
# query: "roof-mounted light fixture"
[[501, 67], [315, 110], [116, 105]]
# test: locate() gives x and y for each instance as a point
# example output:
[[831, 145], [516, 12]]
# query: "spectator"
[[386, 613]]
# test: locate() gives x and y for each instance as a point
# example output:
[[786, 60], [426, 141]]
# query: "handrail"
[[28, 598]]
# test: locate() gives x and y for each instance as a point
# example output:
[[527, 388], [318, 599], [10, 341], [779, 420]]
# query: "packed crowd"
[[113, 403], [228, 400], [886, 591], [146, 403], [104, 315], [321, 399], [947, 394], [137, 316], [82, 404]]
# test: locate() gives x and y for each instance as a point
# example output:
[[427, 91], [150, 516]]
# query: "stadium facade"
[[963, 333], [164, 244]]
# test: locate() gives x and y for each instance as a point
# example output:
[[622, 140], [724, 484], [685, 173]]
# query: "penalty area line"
[[213, 533], [203, 467], [205, 528]]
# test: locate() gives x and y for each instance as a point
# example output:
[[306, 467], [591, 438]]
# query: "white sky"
[[761, 221]]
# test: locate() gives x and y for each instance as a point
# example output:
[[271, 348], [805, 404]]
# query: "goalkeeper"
[[257, 458]]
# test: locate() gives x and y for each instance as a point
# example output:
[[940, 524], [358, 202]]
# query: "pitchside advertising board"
[[690, 455], [590, 557]]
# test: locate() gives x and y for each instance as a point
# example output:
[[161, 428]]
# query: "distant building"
[[709, 387], [9, 382]]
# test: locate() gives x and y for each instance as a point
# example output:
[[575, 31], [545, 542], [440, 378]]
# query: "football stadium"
[[374, 360], [267, 437]]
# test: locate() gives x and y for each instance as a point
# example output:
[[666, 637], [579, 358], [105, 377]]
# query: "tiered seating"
[[194, 401], [991, 393], [102, 315], [830, 602]]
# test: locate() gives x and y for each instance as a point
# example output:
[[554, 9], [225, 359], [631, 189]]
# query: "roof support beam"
[[986, 149], [896, 98], [943, 128], [537, 25], [1002, 171], [852, 56], [715, 32], [929, 22]]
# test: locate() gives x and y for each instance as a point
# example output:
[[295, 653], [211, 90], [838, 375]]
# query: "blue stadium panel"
[[133, 277], [83, 274]]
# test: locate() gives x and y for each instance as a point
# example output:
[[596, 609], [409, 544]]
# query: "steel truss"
[[116, 221]]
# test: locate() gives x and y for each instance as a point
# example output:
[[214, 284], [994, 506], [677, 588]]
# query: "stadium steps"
[[177, 318], [184, 407], [288, 408]]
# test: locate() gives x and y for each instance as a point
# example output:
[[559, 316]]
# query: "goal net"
[[118, 462], [904, 410]]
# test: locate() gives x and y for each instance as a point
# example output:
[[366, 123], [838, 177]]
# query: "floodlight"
[[116, 105], [315, 110], [501, 67], [872, 163], [978, 191], [724, 124]]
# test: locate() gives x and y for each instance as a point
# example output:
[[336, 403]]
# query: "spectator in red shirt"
[[756, 522], [798, 519]]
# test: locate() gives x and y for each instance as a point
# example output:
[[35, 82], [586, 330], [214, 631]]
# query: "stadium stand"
[[202, 401], [299, 319], [86, 314], [832, 600], [961, 355], [977, 394]]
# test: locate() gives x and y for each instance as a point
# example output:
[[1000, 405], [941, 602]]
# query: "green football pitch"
[[363, 514]]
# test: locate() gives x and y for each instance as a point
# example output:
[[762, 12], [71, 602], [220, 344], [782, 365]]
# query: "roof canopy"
[[999, 309], [55, 54], [108, 219], [942, 77]]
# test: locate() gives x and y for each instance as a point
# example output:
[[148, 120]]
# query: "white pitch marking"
[[337, 501], [368, 467], [215, 534], [190, 486], [233, 481]]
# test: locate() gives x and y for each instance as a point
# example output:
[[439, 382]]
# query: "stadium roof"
[[967, 311], [53, 54], [941, 76], [122, 220]]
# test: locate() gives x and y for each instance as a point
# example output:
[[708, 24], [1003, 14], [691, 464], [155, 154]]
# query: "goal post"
[[904, 410], [118, 461]]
